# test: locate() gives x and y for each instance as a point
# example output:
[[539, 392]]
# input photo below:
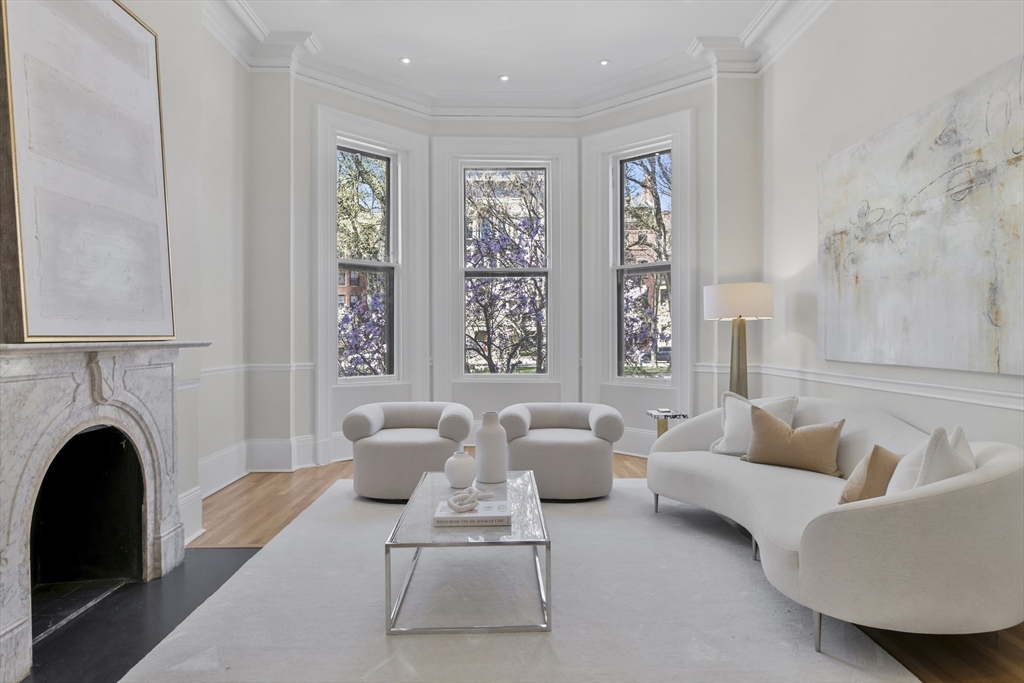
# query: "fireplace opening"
[[87, 527]]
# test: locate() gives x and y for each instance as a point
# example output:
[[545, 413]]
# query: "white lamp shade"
[[738, 300]]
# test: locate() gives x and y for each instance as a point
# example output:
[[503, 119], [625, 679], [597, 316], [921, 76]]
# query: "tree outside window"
[[644, 265], [506, 271], [366, 270]]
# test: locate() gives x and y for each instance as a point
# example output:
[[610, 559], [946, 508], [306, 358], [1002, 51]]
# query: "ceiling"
[[549, 49]]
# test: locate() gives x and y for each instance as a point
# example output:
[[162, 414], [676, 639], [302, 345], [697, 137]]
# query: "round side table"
[[663, 415]]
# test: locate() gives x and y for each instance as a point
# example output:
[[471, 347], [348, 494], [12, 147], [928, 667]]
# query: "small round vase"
[[460, 469], [491, 451]]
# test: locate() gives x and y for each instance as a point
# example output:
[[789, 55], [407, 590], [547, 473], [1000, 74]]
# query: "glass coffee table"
[[415, 529]]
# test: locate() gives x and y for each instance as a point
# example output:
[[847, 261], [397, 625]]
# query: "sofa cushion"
[[871, 476], [773, 503], [812, 447], [936, 459], [736, 420]]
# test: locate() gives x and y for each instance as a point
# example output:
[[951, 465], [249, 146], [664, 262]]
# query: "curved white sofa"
[[393, 444], [947, 557]]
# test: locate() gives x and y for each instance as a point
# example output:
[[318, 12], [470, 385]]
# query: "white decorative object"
[[460, 470], [48, 394], [85, 245], [491, 451], [919, 256], [936, 459], [466, 501]]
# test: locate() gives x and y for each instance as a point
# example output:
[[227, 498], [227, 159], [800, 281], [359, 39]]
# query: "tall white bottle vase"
[[491, 451]]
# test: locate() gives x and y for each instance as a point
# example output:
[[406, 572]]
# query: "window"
[[506, 270], [365, 264], [643, 267]]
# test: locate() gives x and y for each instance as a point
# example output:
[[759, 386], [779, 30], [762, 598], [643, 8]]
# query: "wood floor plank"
[[251, 511]]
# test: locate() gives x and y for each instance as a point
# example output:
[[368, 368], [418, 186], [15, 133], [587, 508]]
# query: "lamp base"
[[738, 365]]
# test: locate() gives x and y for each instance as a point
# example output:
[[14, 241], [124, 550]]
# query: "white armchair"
[[393, 444], [567, 445]]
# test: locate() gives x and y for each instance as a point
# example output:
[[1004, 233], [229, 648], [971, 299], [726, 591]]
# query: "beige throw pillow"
[[871, 476], [736, 420], [813, 447]]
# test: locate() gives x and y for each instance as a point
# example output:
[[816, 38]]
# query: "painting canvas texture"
[[87, 156], [919, 253]]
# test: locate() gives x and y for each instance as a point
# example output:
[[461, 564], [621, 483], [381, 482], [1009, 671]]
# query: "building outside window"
[[506, 270], [366, 268], [643, 267]]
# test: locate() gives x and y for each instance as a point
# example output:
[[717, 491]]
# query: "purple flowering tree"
[[506, 312], [364, 330]]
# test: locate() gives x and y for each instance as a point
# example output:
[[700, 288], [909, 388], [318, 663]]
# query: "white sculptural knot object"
[[466, 501]]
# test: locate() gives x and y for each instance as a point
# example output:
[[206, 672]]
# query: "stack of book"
[[487, 513]]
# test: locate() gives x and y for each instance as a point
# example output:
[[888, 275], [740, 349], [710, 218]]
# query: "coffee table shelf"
[[415, 529]]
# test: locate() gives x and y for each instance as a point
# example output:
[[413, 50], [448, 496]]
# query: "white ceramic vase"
[[460, 469], [491, 451]]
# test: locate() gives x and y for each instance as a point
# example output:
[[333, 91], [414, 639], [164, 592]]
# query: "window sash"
[[621, 274], [621, 189], [388, 246], [390, 271]]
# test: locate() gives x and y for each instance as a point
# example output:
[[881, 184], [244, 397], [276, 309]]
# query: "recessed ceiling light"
[[502, 78], [405, 60], [604, 62]]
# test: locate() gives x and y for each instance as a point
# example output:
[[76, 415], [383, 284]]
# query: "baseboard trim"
[[636, 442], [224, 467], [190, 505]]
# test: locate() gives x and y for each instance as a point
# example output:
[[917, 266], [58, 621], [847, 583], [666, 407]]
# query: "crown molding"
[[770, 33], [773, 30]]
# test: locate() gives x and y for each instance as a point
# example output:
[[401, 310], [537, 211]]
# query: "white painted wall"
[[858, 69]]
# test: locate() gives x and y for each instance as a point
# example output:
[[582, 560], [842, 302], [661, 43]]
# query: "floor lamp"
[[738, 302]]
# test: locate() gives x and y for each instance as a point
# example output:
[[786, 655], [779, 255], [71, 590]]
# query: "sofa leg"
[[655, 503], [755, 550], [816, 616]]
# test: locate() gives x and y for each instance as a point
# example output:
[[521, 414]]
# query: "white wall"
[[858, 69]]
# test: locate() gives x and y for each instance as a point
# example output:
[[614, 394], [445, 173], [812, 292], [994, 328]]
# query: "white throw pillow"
[[936, 459], [736, 421]]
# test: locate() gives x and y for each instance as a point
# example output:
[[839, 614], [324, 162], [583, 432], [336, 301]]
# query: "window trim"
[[600, 194], [410, 221], [485, 391]]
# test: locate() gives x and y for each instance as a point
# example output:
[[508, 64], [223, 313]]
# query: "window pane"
[[363, 202], [645, 325], [506, 324], [505, 218], [646, 229], [365, 325]]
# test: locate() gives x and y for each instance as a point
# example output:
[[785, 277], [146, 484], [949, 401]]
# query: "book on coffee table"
[[487, 513]]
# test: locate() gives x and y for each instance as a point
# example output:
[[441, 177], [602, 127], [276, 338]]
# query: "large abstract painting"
[[83, 222], [920, 255]]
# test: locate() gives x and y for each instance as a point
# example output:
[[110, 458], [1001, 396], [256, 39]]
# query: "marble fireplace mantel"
[[50, 392]]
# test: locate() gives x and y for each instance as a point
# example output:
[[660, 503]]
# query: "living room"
[[280, 261]]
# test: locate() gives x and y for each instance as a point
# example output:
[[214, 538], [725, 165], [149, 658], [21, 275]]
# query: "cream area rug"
[[636, 596]]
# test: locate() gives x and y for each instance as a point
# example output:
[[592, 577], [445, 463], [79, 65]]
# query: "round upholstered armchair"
[[393, 444], [567, 445]]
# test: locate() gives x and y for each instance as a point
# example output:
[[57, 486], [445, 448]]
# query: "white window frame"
[[558, 157], [409, 236], [602, 153]]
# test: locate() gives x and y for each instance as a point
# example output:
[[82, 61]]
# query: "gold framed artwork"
[[84, 243]]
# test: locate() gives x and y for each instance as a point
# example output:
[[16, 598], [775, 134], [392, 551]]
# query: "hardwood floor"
[[252, 510]]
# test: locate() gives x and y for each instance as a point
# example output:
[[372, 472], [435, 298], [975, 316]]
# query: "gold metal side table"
[[663, 415]]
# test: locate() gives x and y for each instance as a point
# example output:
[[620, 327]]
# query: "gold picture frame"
[[84, 236]]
